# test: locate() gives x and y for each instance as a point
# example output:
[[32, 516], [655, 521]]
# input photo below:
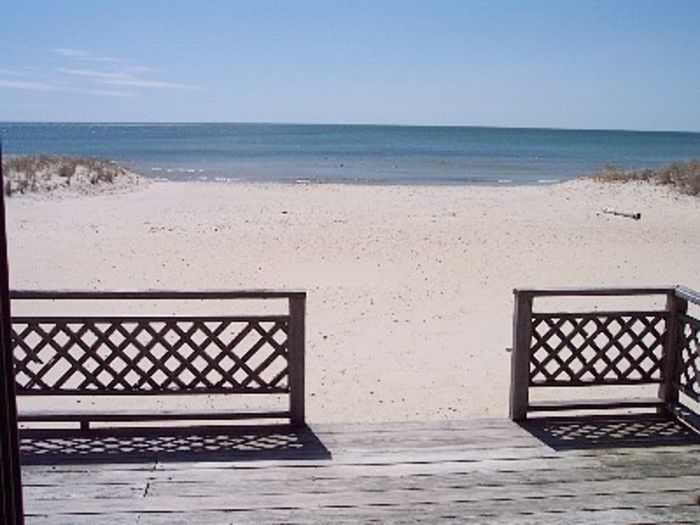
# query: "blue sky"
[[606, 64]]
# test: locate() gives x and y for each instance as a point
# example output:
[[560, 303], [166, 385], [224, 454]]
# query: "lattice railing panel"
[[122, 355], [689, 356], [597, 348]]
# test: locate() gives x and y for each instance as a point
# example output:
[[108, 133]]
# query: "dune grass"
[[682, 176], [47, 173]]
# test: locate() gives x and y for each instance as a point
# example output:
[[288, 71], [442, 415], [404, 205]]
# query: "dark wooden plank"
[[148, 393], [593, 291], [10, 474], [150, 318], [601, 313], [297, 359], [687, 378], [686, 293], [603, 382], [676, 515], [121, 519], [520, 357], [76, 493], [685, 415], [667, 515], [146, 415], [544, 480], [595, 404], [153, 294], [668, 390], [514, 498]]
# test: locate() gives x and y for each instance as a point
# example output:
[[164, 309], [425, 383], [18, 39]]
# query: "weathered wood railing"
[[610, 348], [144, 355]]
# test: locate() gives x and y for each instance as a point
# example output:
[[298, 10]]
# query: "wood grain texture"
[[297, 359], [153, 294], [520, 357], [593, 291], [479, 471]]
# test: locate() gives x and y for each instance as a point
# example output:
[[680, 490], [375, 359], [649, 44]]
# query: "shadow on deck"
[[489, 471], [135, 445], [610, 431]]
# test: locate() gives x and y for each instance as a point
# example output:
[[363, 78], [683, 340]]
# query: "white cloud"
[[40, 86], [108, 93], [124, 79], [29, 86], [138, 82], [72, 53], [80, 54], [98, 75], [144, 69]]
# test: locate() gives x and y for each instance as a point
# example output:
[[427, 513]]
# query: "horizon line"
[[358, 124]]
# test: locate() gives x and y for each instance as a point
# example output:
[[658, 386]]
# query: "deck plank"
[[475, 471]]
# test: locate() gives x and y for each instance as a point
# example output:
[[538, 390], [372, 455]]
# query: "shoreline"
[[403, 155], [368, 182], [46, 174]]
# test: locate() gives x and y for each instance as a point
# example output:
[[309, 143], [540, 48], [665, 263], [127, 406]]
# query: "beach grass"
[[682, 176], [47, 173]]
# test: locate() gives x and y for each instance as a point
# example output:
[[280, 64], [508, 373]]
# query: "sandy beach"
[[409, 287]]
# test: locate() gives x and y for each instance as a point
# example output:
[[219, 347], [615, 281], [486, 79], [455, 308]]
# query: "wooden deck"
[[641, 469]]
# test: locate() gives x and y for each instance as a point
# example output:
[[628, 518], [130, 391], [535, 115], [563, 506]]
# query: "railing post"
[[668, 390], [11, 504], [297, 315], [520, 356]]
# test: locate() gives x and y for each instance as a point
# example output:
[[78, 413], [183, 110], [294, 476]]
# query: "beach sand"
[[409, 288]]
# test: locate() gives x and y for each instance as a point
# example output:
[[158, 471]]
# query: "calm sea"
[[353, 153]]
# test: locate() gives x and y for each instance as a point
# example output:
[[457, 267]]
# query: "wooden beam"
[[155, 294], [689, 295], [583, 292], [143, 415], [594, 404], [668, 390], [114, 319], [10, 475], [600, 313], [520, 357], [297, 350]]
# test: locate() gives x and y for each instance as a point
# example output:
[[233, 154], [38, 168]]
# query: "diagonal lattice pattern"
[[689, 360], [597, 348], [85, 355]]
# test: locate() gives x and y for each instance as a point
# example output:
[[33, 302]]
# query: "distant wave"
[[385, 155]]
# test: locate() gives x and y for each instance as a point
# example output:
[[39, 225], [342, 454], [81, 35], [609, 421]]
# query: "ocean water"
[[353, 153]]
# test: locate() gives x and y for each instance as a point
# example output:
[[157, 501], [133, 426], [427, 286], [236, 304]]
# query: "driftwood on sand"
[[636, 216]]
